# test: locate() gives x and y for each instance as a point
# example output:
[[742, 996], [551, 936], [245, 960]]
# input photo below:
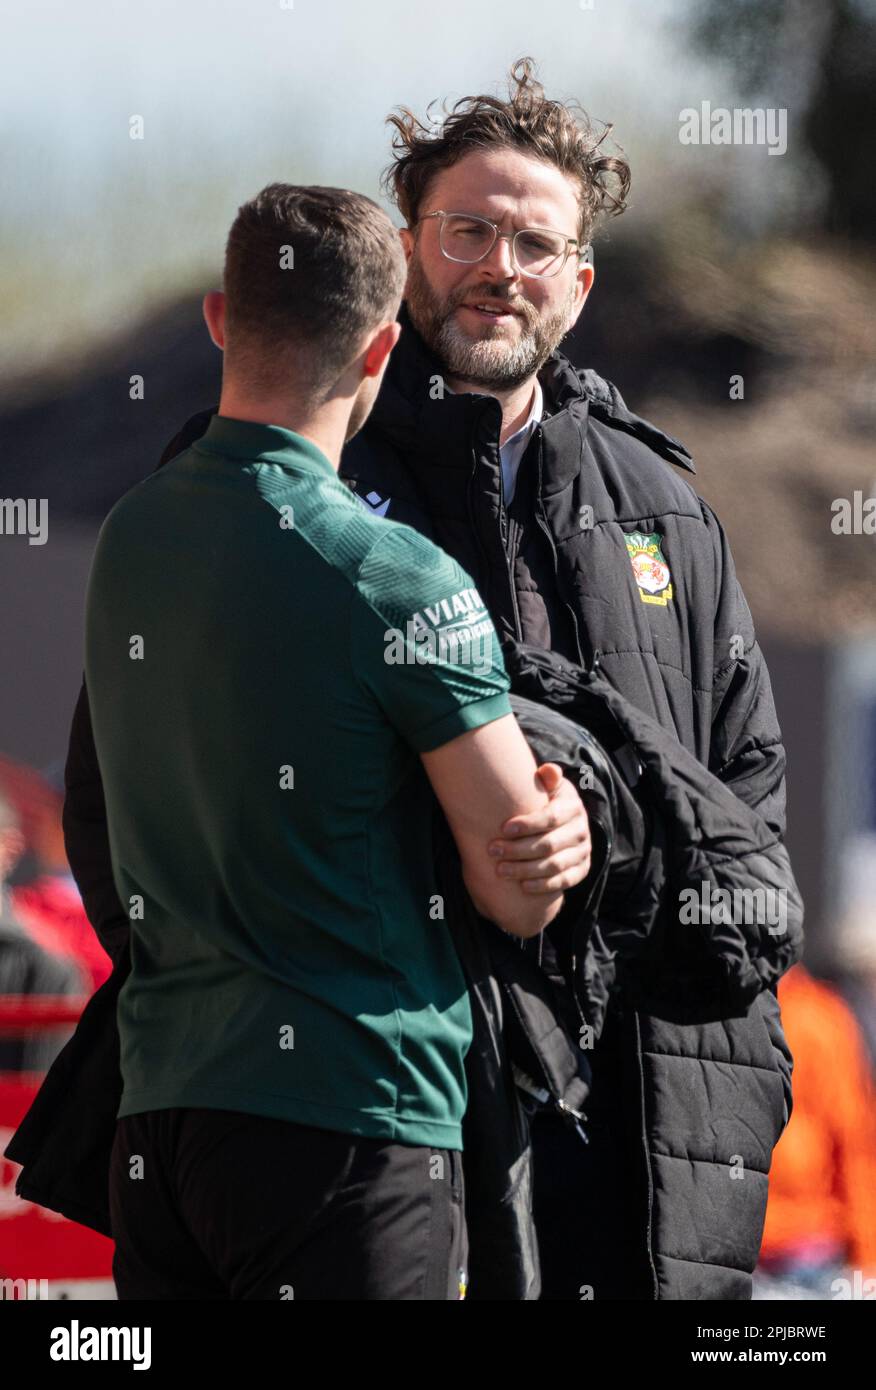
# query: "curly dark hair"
[[558, 133]]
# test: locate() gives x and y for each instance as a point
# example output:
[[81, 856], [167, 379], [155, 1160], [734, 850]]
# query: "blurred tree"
[[818, 60]]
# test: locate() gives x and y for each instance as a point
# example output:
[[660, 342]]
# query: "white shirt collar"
[[512, 451], [531, 420]]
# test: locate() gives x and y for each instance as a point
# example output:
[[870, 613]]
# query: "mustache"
[[525, 310]]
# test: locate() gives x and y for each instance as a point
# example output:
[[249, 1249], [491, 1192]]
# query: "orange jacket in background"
[[823, 1174]]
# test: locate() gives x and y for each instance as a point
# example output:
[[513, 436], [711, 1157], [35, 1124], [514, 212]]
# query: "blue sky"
[[97, 228]]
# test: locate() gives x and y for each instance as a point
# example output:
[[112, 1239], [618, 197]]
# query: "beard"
[[496, 361]]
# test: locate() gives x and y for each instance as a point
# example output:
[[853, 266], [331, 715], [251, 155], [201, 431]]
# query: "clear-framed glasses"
[[535, 251]]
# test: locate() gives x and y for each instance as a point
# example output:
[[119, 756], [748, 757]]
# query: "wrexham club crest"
[[650, 569]]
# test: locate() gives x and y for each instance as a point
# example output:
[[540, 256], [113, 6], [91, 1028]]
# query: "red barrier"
[[28, 1013], [51, 1256]]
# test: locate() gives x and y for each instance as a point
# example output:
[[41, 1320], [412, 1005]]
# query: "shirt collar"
[[535, 413], [518, 439], [253, 441]]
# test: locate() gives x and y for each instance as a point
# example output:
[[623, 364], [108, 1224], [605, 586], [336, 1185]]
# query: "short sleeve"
[[423, 643]]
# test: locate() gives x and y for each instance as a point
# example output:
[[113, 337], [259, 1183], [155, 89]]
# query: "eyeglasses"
[[535, 251]]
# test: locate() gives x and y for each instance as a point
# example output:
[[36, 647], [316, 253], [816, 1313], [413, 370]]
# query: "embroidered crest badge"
[[650, 568]]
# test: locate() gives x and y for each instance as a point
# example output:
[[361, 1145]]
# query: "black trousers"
[[213, 1204]]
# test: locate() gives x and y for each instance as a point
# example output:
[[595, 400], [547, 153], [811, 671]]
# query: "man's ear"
[[406, 237], [214, 316], [586, 276], [379, 348]]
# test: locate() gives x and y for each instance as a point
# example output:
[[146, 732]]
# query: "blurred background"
[[734, 304]]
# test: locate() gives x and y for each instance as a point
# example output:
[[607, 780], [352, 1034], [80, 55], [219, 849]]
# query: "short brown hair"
[[308, 271], [560, 134]]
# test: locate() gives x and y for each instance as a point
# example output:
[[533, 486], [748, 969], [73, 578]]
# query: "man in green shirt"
[[279, 680]]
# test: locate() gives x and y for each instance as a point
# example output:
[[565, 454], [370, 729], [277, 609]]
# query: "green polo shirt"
[[265, 660]]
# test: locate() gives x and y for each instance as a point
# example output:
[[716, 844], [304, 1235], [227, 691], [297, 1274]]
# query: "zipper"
[[596, 888], [503, 532], [542, 521], [471, 513], [576, 1118], [509, 559], [654, 1281]]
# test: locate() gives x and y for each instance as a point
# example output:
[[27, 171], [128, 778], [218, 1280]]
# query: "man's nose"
[[499, 261]]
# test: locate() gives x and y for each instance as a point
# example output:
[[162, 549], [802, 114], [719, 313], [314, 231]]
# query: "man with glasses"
[[567, 510]]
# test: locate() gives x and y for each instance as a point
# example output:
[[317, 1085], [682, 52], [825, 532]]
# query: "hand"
[[547, 851]]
